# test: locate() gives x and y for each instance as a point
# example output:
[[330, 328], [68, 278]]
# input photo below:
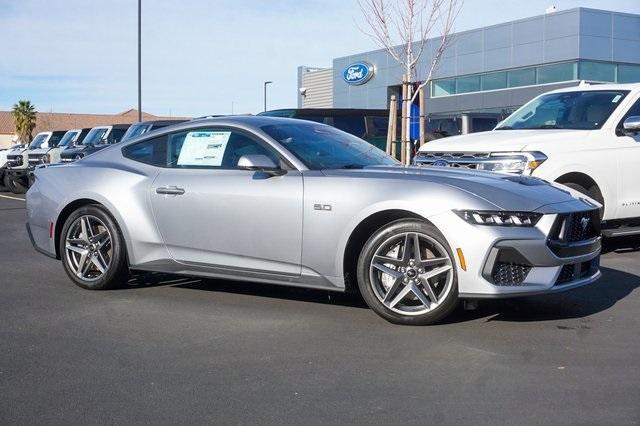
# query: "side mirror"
[[259, 162], [632, 124]]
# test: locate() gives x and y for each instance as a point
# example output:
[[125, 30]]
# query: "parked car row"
[[18, 162]]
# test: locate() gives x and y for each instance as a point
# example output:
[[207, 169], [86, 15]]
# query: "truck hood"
[[506, 192], [502, 140]]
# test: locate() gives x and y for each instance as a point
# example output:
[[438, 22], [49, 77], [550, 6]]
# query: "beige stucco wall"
[[6, 140]]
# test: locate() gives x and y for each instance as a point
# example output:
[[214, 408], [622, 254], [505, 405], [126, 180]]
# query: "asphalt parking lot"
[[177, 350]]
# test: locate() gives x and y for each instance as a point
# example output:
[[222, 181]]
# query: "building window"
[[628, 73], [597, 71], [468, 84], [557, 72], [443, 87], [494, 80], [522, 77]]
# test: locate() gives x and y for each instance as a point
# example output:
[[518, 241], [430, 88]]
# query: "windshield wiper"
[[352, 166], [505, 128]]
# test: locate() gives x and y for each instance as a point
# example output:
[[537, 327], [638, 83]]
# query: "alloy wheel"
[[411, 273], [88, 247]]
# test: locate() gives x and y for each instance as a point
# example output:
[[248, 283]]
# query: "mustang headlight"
[[512, 162], [498, 218]]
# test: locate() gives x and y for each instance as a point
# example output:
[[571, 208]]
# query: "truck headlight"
[[512, 162], [499, 218]]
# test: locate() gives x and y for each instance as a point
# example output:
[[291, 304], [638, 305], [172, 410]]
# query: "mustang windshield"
[[67, 139], [95, 136], [579, 110], [37, 141], [323, 147]]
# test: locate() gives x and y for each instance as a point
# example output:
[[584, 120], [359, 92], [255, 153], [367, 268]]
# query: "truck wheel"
[[407, 273], [92, 249], [13, 186], [593, 192], [3, 187]]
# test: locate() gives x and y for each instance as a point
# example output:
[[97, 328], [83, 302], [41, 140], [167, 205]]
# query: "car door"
[[211, 214], [629, 172]]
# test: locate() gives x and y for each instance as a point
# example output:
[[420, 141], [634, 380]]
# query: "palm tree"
[[24, 116]]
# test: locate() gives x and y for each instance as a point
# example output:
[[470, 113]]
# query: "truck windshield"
[[95, 136], [67, 139], [38, 141], [579, 110], [323, 147], [135, 130]]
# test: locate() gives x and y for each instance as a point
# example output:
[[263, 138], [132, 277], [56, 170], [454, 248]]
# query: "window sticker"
[[203, 148], [616, 99]]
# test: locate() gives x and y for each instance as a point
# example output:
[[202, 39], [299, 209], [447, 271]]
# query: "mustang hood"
[[502, 140], [506, 192]]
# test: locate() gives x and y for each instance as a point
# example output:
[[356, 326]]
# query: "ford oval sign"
[[358, 73]]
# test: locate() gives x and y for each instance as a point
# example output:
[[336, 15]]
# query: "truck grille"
[[460, 160], [35, 158]]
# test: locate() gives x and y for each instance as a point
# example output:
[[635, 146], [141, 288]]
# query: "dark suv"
[[368, 124]]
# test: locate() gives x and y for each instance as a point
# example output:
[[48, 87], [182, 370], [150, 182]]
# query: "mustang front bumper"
[[507, 261]]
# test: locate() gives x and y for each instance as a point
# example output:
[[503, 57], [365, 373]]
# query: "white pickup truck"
[[585, 137]]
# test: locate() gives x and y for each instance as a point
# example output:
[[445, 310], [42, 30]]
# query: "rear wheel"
[[13, 185], [92, 249], [406, 273]]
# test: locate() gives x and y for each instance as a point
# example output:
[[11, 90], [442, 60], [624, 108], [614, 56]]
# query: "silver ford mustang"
[[300, 203]]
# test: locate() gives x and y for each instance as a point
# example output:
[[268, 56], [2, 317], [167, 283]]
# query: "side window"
[[152, 151], [214, 148], [116, 135]]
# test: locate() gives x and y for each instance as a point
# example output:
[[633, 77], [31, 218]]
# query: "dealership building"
[[494, 69]]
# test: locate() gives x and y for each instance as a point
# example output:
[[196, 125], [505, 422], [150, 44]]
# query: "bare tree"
[[402, 28]]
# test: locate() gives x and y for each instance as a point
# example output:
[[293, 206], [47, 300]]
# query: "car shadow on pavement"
[[614, 285], [153, 279]]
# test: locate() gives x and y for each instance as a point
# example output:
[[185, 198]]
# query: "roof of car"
[[597, 86]]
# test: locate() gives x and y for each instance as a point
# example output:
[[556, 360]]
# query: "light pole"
[[265, 93], [139, 60]]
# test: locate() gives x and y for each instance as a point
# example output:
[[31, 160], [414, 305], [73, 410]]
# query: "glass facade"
[[542, 74]]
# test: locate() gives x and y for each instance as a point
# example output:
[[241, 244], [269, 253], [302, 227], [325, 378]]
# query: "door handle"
[[169, 190]]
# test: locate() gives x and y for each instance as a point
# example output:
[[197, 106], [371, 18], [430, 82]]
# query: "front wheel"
[[407, 273], [92, 249], [13, 185]]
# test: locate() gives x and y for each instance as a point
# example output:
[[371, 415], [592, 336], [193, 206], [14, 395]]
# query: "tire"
[[104, 249], [3, 187], [592, 192], [401, 286], [13, 186]]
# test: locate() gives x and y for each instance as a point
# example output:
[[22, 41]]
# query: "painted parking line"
[[12, 198]]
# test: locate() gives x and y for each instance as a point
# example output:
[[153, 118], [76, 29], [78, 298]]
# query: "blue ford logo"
[[440, 163], [358, 73]]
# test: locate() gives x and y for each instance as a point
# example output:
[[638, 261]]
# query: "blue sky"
[[199, 57]]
